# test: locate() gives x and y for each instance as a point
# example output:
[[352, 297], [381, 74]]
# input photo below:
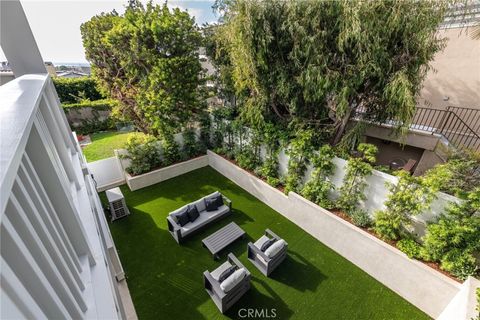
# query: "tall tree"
[[315, 61], [147, 59]]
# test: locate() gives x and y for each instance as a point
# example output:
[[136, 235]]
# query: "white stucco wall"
[[376, 191]]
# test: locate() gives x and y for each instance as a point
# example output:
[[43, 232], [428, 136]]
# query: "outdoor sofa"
[[204, 218], [270, 258], [228, 283]]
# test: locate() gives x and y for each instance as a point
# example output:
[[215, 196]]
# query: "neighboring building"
[[51, 69], [7, 75], [57, 256], [448, 113], [71, 74]]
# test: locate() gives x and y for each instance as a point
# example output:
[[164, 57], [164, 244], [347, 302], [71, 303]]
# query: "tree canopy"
[[315, 61], [147, 59]]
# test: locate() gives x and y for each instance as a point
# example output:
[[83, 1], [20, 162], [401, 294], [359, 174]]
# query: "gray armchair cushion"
[[275, 248], [181, 216], [192, 213], [234, 279]]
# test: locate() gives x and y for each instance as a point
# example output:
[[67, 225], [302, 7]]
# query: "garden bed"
[[150, 178]]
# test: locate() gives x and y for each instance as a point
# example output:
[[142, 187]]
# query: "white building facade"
[[58, 259]]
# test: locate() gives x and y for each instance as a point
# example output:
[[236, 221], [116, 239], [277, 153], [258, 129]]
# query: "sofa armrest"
[[213, 285], [227, 201], [233, 260], [255, 250], [172, 225]]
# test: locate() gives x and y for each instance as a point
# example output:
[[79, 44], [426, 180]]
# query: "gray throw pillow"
[[225, 274], [211, 204], [267, 244]]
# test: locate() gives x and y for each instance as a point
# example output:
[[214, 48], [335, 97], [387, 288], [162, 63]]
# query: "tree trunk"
[[340, 126]]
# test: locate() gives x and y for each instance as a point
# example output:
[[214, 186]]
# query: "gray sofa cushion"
[[200, 204], [204, 218]]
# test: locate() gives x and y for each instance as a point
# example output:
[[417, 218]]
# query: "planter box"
[[159, 175], [427, 289]]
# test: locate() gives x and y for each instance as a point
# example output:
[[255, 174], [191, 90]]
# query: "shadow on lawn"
[[297, 272], [269, 305]]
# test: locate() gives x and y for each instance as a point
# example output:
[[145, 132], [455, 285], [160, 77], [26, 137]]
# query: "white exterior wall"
[[54, 253], [417, 283]]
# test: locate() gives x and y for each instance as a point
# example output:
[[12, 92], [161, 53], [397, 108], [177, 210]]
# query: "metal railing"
[[459, 126]]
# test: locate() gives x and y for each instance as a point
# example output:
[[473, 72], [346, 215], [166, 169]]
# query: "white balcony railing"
[[57, 257]]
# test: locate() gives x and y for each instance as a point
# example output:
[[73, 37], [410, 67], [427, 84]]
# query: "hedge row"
[[103, 104], [71, 90]]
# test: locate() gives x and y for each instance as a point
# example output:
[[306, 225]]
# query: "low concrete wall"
[[153, 177], [108, 173], [417, 283], [463, 306]]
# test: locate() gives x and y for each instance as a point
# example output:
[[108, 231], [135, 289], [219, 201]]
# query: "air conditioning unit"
[[118, 207]]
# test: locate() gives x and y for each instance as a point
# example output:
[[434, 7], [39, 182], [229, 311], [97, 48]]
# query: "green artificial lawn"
[[166, 279], [103, 144]]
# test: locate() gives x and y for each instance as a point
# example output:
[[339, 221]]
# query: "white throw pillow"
[[275, 248], [234, 279]]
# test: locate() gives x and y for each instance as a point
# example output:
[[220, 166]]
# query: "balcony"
[[58, 258]]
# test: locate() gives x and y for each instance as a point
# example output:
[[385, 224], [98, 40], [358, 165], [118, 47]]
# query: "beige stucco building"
[[455, 75]]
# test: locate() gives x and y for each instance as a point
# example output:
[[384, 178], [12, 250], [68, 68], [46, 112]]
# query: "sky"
[[56, 24]]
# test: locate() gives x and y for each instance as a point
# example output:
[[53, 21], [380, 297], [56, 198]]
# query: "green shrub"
[[461, 264], [171, 153], [387, 225], [143, 153], [410, 247], [247, 159], [72, 90], [318, 186], [103, 104], [455, 237], [361, 218], [408, 197], [191, 147], [359, 167], [274, 182], [299, 151], [93, 125]]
